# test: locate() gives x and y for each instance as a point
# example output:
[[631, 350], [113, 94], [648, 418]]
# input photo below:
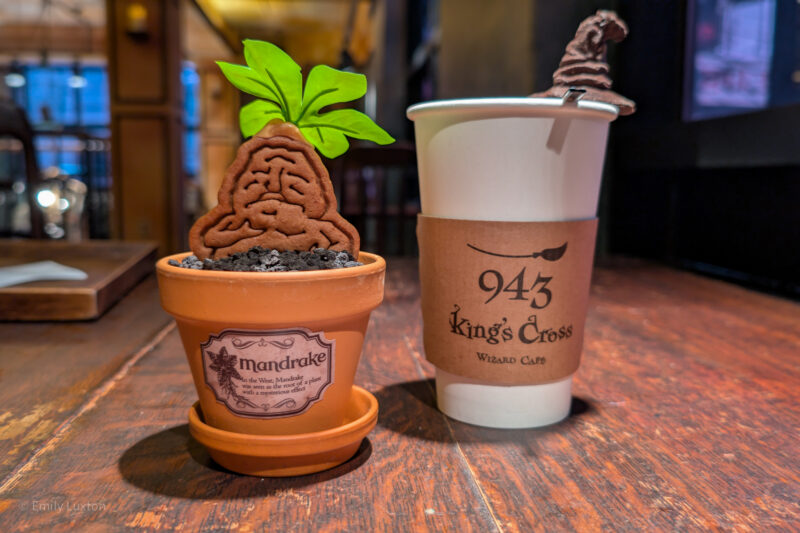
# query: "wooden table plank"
[[686, 417], [727, 324], [47, 368], [112, 269], [131, 456], [679, 430]]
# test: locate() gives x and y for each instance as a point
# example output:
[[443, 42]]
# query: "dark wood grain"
[[685, 417], [112, 269], [132, 454], [48, 368]]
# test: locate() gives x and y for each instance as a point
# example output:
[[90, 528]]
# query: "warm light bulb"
[[136, 19], [77, 82], [15, 80], [45, 198]]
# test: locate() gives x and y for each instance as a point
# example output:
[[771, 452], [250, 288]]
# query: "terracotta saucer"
[[288, 455]]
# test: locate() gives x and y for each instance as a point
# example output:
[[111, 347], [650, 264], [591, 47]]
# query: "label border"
[[309, 335]]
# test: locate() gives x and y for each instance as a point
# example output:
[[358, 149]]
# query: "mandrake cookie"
[[277, 194]]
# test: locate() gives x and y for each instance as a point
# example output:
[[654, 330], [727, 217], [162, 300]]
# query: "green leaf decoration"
[[276, 79], [280, 71], [247, 80], [331, 128], [330, 143], [326, 86], [256, 114]]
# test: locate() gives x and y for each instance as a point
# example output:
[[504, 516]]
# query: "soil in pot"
[[259, 259]]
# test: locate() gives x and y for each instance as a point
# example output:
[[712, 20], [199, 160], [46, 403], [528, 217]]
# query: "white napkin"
[[41, 270]]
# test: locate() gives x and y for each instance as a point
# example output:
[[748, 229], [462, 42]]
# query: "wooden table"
[[686, 417], [112, 268]]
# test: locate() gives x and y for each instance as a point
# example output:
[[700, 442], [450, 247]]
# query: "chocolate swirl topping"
[[584, 65]]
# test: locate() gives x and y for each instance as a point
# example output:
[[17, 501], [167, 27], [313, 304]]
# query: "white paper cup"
[[509, 159]]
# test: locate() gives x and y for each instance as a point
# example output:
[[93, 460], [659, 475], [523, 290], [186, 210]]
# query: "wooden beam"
[[146, 125], [217, 22], [22, 38]]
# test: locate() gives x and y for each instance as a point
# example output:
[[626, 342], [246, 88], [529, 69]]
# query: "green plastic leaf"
[[257, 114], [350, 122], [327, 131], [274, 77], [279, 71], [330, 142], [326, 86], [247, 80]]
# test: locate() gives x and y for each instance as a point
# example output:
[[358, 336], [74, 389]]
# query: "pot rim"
[[373, 265]]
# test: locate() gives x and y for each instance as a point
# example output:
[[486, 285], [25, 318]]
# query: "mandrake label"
[[268, 374]]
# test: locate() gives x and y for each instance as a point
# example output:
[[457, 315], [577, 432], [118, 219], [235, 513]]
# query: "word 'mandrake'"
[[287, 363]]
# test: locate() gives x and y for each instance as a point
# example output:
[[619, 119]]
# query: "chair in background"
[[14, 123], [378, 192]]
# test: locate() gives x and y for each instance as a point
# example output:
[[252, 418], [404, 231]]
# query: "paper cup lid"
[[516, 106]]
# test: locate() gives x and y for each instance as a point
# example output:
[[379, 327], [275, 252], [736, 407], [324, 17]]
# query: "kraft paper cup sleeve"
[[505, 302]]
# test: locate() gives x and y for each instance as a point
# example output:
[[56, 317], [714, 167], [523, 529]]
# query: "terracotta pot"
[[273, 353], [289, 455]]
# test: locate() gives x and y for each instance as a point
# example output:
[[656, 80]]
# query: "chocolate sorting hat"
[[584, 65]]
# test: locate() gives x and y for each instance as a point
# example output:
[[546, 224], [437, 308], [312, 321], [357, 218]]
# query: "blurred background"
[[115, 121]]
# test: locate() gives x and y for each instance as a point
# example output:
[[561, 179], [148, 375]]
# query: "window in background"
[[193, 192], [191, 119], [94, 104], [741, 56], [68, 106], [64, 97], [50, 102]]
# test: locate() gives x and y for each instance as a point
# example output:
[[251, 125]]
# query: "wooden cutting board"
[[113, 268]]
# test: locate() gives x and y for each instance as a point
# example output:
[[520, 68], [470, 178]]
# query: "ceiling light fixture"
[[15, 80], [76, 81]]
